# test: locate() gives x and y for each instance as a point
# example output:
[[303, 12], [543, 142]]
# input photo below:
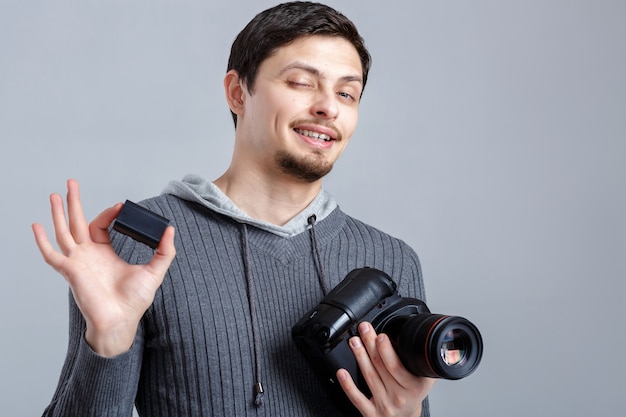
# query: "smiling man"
[[202, 326], [293, 122]]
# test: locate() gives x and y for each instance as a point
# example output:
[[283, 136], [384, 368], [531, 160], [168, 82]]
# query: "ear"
[[235, 92]]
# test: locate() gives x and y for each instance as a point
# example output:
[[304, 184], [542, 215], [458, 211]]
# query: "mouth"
[[314, 135]]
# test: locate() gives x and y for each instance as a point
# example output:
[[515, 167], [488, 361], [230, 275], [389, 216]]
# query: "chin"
[[310, 169]]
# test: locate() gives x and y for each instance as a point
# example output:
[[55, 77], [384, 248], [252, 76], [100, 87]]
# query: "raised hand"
[[395, 391], [111, 294]]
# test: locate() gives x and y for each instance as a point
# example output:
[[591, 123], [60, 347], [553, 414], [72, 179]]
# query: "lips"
[[317, 129]]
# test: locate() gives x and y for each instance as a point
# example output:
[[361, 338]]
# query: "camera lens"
[[453, 347], [435, 345]]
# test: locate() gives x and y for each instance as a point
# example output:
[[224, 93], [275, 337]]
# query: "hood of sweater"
[[197, 189]]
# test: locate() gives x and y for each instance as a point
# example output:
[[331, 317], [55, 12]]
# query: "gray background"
[[492, 139]]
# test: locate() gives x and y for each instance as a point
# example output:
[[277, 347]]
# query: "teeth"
[[315, 135]]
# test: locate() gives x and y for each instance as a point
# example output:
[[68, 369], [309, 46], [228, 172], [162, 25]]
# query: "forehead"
[[332, 57]]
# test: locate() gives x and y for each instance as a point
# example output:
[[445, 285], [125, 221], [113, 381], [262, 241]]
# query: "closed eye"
[[298, 84]]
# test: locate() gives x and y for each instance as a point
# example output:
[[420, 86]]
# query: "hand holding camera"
[[430, 345]]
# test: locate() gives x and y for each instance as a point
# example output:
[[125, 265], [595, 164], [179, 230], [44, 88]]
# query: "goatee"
[[309, 169]]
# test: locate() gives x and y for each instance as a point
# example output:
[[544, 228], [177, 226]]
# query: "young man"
[[203, 325]]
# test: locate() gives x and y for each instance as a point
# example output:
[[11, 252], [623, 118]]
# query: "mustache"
[[318, 122]]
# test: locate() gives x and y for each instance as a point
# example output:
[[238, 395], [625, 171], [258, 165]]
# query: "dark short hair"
[[281, 25]]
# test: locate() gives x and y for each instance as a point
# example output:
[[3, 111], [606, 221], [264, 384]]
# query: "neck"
[[273, 200]]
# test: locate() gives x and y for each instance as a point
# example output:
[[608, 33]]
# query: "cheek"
[[279, 106], [351, 120], [355, 120]]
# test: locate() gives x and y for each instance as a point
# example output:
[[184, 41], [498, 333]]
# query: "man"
[[202, 326]]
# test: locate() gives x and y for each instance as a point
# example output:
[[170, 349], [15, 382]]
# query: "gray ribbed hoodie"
[[221, 321]]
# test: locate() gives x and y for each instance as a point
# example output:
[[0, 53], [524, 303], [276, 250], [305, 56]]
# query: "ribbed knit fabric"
[[193, 354]]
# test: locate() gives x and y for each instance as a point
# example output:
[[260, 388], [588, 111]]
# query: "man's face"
[[303, 108]]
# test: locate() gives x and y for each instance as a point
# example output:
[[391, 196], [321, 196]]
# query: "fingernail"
[[364, 328], [355, 342]]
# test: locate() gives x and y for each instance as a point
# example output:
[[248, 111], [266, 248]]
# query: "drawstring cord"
[[258, 387], [318, 257]]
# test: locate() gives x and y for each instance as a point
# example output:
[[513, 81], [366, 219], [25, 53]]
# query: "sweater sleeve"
[[92, 385]]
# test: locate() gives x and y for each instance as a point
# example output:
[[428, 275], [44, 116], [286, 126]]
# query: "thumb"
[[164, 254]]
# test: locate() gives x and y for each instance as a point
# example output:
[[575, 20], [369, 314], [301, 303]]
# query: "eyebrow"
[[314, 71]]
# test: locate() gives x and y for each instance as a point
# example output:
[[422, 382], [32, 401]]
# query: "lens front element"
[[453, 348]]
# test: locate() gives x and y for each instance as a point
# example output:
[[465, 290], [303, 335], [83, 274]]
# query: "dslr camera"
[[429, 345]]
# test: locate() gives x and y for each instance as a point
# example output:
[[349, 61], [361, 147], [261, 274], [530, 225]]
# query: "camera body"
[[431, 345]]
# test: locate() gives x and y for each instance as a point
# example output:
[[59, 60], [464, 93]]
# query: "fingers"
[[61, 231], [77, 223], [66, 236], [372, 368], [49, 254], [395, 370], [360, 401], [74, 229], [395, 391], [80, 242], [368, 357]]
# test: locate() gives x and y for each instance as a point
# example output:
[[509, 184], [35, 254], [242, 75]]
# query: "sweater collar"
[[197, 189]]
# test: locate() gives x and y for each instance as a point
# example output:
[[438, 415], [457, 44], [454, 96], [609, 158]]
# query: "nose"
[[325, 105]]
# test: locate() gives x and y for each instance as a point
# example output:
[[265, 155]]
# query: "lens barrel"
[[436, 345]]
